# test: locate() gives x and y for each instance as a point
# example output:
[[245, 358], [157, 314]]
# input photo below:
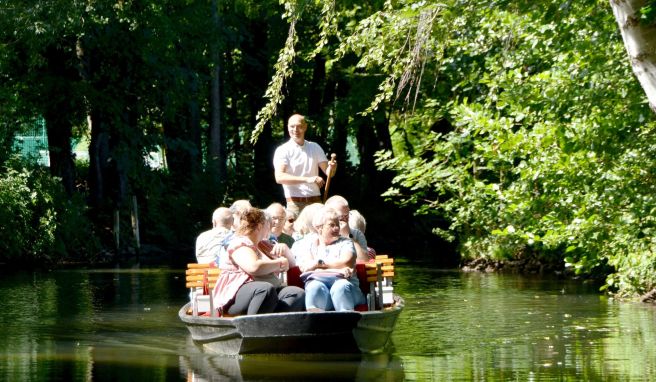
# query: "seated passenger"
[[303, 224], [272, 248], [288, 228], [278, 218], [357, 221], [328, 264], [208, 243], [248, 282], [305, 232], [339, 204], [237, 208]]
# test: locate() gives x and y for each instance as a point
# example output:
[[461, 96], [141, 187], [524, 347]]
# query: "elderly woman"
[[328, 263], [248, 282], [303, 224]]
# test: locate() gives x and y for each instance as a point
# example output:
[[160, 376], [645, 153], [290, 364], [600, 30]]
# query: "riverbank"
[[527, 266], [535, 266]]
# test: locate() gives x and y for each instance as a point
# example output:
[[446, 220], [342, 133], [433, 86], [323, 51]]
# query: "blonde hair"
[[356, 220], [303, 224], [324, 215]]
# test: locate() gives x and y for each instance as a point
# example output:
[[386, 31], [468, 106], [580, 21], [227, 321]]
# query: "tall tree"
[[637, 23], [217, 147], [40, 66], [63, 109]]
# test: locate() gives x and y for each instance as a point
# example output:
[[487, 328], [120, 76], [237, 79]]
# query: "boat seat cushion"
[[294, 277]]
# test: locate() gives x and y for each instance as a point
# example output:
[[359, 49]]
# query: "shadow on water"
[[206, 367]]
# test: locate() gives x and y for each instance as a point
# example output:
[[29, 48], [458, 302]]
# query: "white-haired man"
[[340, 204], [209, 243]]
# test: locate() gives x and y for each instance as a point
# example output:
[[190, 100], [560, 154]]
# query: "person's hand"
[[284, 264], [332, 166], [344, 229], [347, 272], [279, 250], [317, 180]]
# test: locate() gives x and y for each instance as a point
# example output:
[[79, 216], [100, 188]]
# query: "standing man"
[[297, 163]]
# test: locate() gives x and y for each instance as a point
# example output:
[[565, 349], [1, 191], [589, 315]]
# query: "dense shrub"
[[40, 223]]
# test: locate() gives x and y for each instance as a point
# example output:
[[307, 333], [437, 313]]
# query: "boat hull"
[[296, 332]]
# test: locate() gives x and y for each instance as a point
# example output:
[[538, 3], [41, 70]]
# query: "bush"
[[45, 225]]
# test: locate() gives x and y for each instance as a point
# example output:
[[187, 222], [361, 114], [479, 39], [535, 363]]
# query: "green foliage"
[[648, 12], [283, 71], [531, 138], [519, 123], [41, 224]]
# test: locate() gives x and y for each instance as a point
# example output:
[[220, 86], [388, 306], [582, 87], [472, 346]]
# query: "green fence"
[[33, 142]]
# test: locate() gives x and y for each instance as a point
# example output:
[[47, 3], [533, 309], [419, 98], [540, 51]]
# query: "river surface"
[[122, 324]]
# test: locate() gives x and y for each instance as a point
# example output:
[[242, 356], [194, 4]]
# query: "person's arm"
[[282, 250], [247, 259], [362, 253], [329, 166], [307, 263], [345, 263], [283, 177], [304, 252], [346, 257], [360, 243]]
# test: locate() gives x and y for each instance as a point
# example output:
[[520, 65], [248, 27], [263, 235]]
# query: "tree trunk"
[[315, 99], [640, 42], [264, 184], [59, 112], [193, 124], [182, 133], [98, 157], [59, 132], [217, 157]]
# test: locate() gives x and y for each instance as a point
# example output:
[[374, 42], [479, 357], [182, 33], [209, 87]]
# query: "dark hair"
[[251, 218]]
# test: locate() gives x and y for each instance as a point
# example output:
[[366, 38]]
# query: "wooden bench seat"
[[380, 277], [376, 282], [200, 279]]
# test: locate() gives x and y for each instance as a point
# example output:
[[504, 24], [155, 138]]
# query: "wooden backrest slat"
[[381, 261], [197, 275], [210, 271], [199, 266], [375, 278], [210, 286], [201, 278], [385, 268]]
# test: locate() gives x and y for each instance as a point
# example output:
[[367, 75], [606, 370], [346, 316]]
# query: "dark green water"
[[109, 325]]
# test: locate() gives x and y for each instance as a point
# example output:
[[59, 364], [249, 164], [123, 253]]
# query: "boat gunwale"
[[399, 304]]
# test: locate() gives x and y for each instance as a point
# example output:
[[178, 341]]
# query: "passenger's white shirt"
[[300, 161], [209, 244]]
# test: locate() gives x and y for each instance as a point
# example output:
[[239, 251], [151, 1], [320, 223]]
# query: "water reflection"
[[88, 325], [500, 327], [122, 324], [204, 367]]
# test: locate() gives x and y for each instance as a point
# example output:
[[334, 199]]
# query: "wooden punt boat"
[[363, 331], [296, 332]]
